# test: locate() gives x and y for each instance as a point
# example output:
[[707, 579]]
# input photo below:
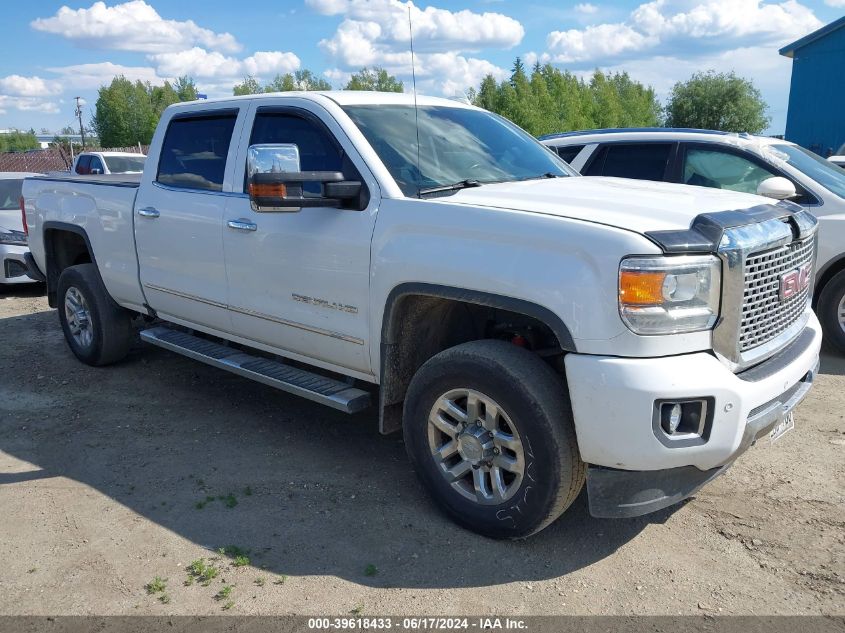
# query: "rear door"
[[299, 281], [179, 218]]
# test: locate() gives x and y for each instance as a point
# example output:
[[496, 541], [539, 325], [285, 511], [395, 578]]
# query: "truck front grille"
[[764, 315]]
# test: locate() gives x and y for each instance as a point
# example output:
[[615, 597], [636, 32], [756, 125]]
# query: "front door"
[[179, 221], [299, 281]]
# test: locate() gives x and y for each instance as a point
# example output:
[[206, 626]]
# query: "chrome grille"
[[764, 315]]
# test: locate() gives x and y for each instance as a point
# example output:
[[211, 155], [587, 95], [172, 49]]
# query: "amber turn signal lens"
[[641, 288], [268, 190]]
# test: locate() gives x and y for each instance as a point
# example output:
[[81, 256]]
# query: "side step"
[[328, 391]]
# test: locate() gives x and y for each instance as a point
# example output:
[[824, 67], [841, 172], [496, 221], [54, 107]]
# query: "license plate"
[[784, 426]]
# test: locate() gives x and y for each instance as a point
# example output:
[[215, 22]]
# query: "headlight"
[[18, 238], [668, 295]]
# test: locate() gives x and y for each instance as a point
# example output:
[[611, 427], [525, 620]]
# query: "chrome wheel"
[[476, 446], [840, 313], [78, 317]]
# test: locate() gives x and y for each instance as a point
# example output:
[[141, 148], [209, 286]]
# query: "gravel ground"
[[112, 477]]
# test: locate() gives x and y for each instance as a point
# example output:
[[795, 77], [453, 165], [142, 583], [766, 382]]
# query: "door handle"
[[148, 212], [242, 225]]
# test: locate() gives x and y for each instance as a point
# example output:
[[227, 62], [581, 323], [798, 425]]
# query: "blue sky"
[[55, 51]]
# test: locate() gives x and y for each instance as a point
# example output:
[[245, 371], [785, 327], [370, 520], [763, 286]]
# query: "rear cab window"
[[194, 151], [568, 152]]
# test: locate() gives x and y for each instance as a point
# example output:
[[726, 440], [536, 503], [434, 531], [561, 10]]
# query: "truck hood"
[[635, 205]]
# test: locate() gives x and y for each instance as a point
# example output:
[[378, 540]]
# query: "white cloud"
[[200, 63], [27, 104], [835, 3], [18, 86], [680, 26], [131, 26], [376, 33], [91, 76], [586, 8]]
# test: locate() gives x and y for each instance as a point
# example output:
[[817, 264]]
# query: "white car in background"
[[99, 163], [767, 166], [13, 239]]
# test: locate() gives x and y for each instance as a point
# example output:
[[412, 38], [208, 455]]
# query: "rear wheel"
[[489, 430], [97, 330], [831, 311]]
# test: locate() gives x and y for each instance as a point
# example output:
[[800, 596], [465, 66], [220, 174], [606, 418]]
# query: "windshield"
[[822, 171], [125, 164], [10, 193], [456, 144]]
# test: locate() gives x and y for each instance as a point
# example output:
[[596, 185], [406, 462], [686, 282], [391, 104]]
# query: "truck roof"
[[340, 97]]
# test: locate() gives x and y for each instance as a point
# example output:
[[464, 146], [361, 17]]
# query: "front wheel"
[[97, 330], [488, 428], [831, 311]]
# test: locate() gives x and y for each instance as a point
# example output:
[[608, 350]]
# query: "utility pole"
[[79, 116]]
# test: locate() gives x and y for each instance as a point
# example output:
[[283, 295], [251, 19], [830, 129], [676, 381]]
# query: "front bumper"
[[13, 266], [632, 471]]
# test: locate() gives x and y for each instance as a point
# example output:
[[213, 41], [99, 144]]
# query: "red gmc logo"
[[795, 281]]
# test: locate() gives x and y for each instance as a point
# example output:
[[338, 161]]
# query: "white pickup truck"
[[526, 328]]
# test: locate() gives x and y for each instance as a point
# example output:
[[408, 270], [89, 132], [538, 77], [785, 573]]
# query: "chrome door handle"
[[242, 225], [148, 212]]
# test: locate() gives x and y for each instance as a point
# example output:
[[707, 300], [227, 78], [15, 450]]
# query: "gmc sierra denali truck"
[[526, 328]]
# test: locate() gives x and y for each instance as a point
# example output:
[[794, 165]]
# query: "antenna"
[[416, 109]]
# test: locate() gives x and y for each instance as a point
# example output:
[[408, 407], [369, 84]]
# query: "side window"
[[722, 170], [193, 155], [642, 161], [568, 152], [96, 163], [317, 149], [83, 165]]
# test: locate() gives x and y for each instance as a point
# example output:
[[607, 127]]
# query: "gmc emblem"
[[795, 281]]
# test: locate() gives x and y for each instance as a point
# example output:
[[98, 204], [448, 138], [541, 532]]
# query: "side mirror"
[[777, 187], [275, 182]]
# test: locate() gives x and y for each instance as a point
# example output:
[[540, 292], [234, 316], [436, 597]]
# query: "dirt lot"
[[111, 477]]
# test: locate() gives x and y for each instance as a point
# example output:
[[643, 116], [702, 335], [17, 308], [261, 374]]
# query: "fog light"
[[674, 419]]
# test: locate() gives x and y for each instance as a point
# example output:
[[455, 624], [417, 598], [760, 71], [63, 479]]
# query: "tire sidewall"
[[71, 278], [529, 507], [827, 308]]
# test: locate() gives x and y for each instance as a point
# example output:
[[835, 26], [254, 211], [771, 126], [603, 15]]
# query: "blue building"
[[816, 117]]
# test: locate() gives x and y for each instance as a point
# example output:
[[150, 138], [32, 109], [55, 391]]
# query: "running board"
[[328, 391]]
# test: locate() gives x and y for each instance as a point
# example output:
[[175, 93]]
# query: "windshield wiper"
[[548, 174], [463, 184]]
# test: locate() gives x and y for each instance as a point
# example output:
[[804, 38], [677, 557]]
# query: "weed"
[[370, 570], [239, 556], [280, 580], [228, 605], [32, 570], [248, 491], [209, 499], [357, 610], [260, 581], [164, 598], [156, 585], [199, 505], [224, 593], [240, 561], [201, 571], [188, 581], [230, 501]]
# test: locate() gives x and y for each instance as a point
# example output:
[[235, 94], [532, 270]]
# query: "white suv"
[[738, 162]]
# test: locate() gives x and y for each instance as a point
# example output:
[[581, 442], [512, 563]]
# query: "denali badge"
[[795, 281]]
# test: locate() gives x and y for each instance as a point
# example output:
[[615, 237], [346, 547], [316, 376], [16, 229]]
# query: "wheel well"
[[63, 248], [831, 271], [418, 326]]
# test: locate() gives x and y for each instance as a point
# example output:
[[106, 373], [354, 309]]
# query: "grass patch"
[[156, 585], [201, 572], [238, 555], [370, 570], [225, 592]]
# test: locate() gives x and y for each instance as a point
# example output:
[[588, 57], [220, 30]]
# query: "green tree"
[[250, 86], [717, 101], [551, 100], [18, 141], [186, 88], [377, 79]]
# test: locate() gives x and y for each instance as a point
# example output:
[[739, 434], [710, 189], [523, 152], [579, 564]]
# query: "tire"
[[831, 311], [534, 421], [97, 330]]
